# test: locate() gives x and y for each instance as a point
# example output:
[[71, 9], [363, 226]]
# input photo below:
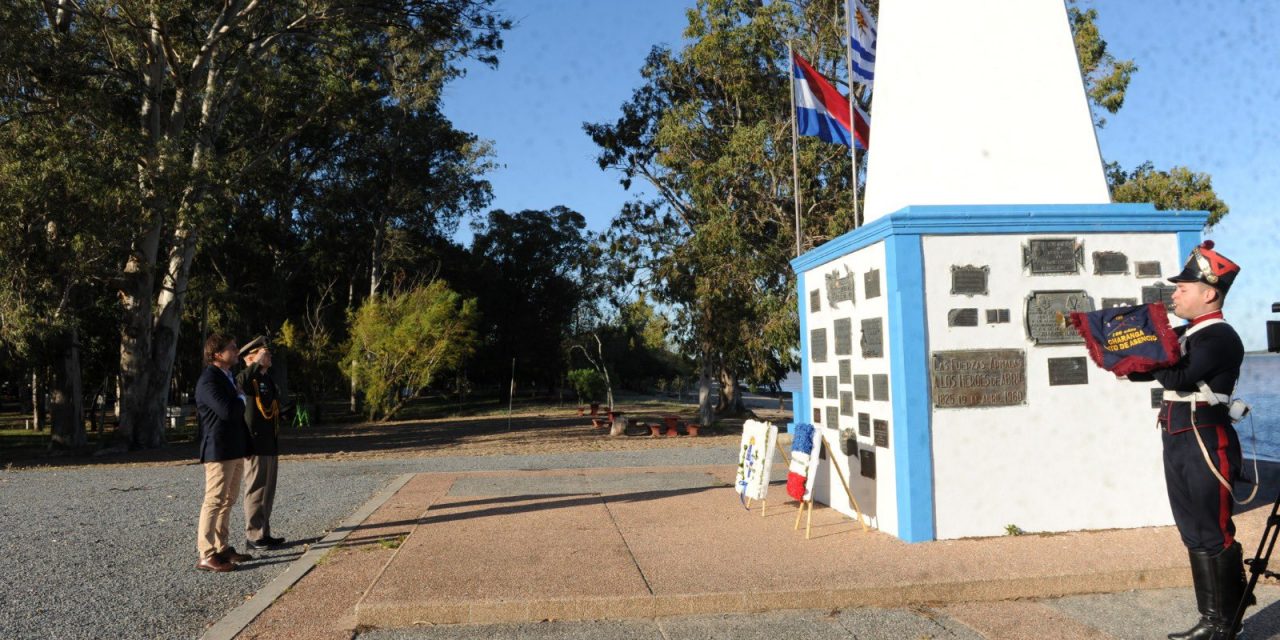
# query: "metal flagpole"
[[795, 167], [853, 127]]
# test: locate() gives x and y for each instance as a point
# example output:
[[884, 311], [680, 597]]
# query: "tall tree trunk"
[[37, 400], [706, 413], [68, 398], [730, 397]]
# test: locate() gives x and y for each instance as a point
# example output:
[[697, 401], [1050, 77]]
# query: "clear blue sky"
[[1206, 95]]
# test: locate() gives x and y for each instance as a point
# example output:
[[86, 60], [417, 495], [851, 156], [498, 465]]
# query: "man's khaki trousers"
[[259, 496], [221, 486]]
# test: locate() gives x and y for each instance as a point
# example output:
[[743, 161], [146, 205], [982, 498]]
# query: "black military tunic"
[[262, 409], [1202, 507]]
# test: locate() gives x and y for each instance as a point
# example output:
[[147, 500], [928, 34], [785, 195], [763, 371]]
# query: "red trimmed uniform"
[[1202, 507]]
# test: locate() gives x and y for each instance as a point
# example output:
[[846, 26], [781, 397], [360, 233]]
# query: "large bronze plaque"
[[846, 403], [818, 386], [1158, 293], [979, 378], [1053, 256], [839, 288], [962, 318], [880, 386], [1147, 269], [864, 425], [818, 345], [815, 300], [871, 284], [969, 280], [867, 460], [862, 387], [873, 338], [1048, 312], [1063, 371], [843, 328], [1108, 263], [881, 430]]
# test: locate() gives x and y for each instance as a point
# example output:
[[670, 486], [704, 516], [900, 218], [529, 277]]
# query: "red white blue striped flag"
[[822, 111]]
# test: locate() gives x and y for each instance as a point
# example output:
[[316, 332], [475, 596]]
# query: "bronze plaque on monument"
[[1147, 269], [839, 288], [881, 430], [1158, 292], [817, 416], [962, 318], [864, 425], [1157, 397], [833, 418], [873, 338], [862, 387], [846, 371], [997, 316], [843, 328], [978, 378], [815, 300], [846, 403], [832, 391], [1048, 314], [1108, 263], [969, 280], [871, 284], [818, 386], [867, 460], [1049, 256], [1064, 371], [818, 345], [880, 386]]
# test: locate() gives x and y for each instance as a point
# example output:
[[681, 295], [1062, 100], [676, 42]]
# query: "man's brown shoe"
[[231, 555], [215, 564]]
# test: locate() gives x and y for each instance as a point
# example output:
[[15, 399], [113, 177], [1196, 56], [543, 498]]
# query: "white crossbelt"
[[1204, 395]]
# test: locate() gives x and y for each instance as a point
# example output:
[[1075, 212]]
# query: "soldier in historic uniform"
[[1201, 449], [262, 415]]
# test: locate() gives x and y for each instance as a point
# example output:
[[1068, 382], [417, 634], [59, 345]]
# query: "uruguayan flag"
[[862, 42]]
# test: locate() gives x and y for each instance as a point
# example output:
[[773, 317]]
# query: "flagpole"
[[795, 165], [853, 118]]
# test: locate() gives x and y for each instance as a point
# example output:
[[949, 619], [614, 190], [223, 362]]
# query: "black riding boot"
[[1229, 577], [1202, 576]]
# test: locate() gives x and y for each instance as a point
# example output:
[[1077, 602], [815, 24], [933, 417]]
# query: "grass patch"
[[392, 543]]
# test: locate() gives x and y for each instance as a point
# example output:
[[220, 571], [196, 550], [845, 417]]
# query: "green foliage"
[[402, 342], [1106, 78], [1177, 188], [589, 384], [1013, 530]]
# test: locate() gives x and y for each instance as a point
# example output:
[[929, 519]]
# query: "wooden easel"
[[808, 527]]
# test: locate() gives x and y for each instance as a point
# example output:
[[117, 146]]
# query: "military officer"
[[262, 415], [1201, 449]]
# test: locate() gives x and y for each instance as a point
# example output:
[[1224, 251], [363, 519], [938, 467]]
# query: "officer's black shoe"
[[1202, 576], [259, 545], [273, 541]]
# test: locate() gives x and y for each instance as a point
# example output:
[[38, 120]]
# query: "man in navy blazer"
[[224, 444]]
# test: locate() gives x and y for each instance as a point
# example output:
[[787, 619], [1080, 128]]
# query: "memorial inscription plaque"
[[871, 284], [1047, 313], [861, 387], [833, 418], [867, 460], [873, 338], [1157, 397], [1048, 256], [997, 316], [978, 378], [846, 371], [962, 318], [1158, 292], [1109, 263], [818, 386], [818, 345], [817, 416], [881, 429], [839, 288], [1063, 371], [864, 425], [969, 280], [815, 300], [832, 391], [880, 386], [843, 328], [1111, 303], [1147, 269], [846, 403]]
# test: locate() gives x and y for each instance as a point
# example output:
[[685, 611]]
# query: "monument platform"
[[640, 543]]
